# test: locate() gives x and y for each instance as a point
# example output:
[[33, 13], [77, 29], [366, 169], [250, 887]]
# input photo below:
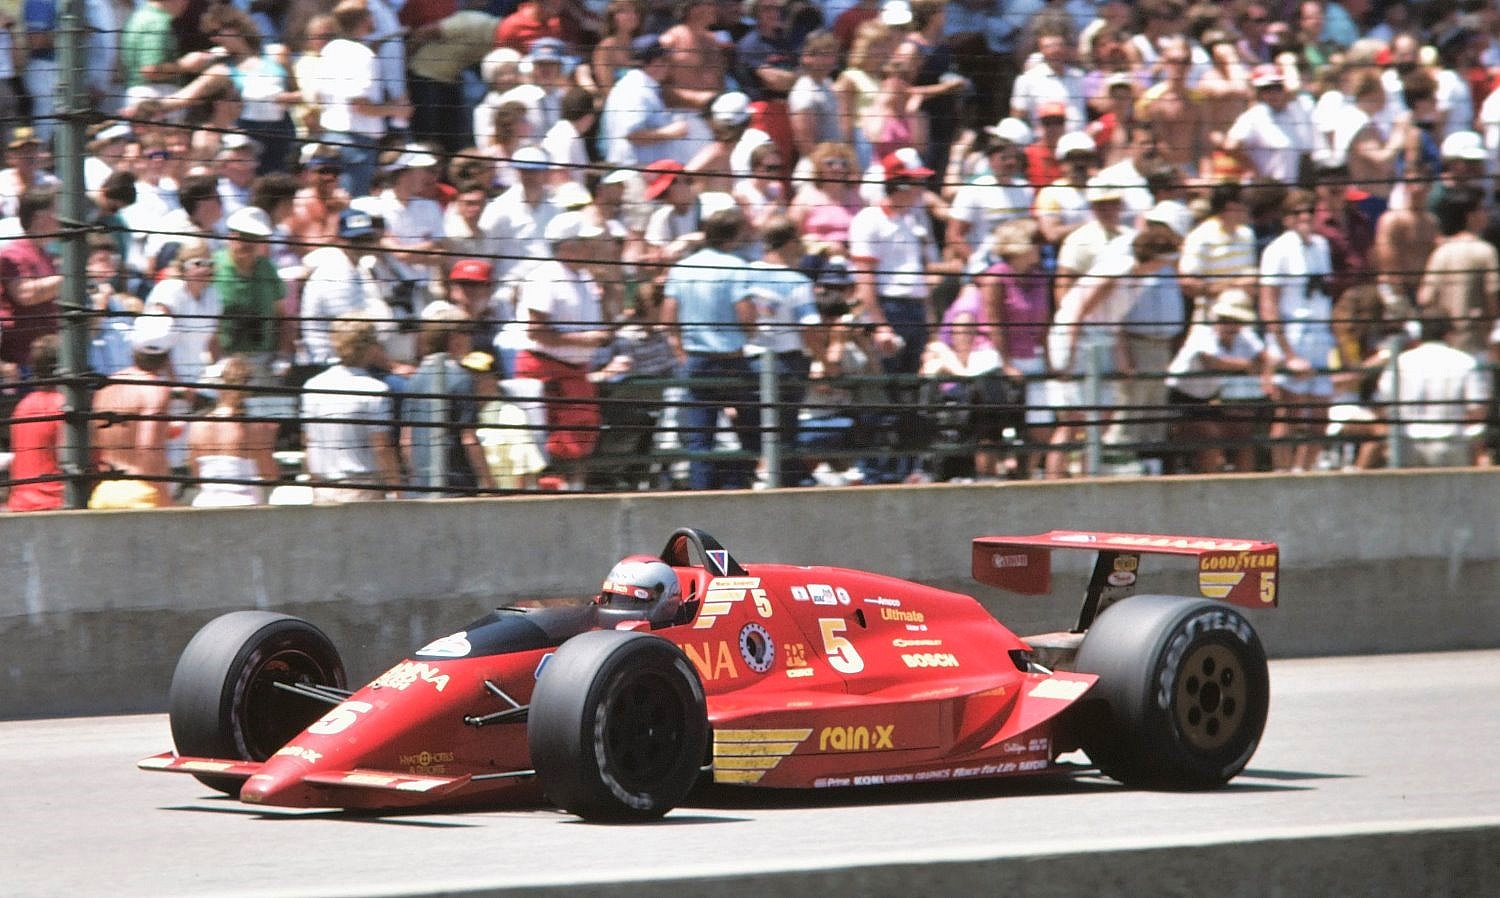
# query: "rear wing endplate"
[[1238, 571]]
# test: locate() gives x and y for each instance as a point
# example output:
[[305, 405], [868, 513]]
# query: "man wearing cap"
[[471, 287], [439, 413], [1063, 206], [560, 305], [130, 426], [413, 226], [252, 292], [542, 93], [636, 128], [22, 171], [1275, 136], [1103, 233], [995, 197], [1212, 354], [1464, 159], [517, 219], [674, 227], [710, 315], [437, 55], [339, 285], [347, 419], [29, 280]]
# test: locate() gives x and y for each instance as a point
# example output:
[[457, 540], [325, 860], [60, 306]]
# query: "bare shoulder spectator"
[[611, 57], [131, 423], [1462, 278], [232, 457]]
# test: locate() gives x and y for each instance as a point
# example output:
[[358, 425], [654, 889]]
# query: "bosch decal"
[[757, 647], [930, 659]]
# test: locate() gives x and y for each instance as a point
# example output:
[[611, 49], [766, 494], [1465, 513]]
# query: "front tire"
[[1184, 691], [618, 727], [224, 702]]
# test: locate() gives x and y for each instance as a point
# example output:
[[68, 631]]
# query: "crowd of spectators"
[[458, 227]]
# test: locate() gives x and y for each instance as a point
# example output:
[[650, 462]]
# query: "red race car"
[[783, 676]]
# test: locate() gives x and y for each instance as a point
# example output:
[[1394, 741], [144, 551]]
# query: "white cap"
[[570, 226], [251, 221], [1173, 214], [530, 158], [1464, 145], [715, 201], [571, 195], [1102, 190], [413, 158], [152, 333], [1076, 142], [732, 108], [895, 13], [1012, 130], [618, 176]]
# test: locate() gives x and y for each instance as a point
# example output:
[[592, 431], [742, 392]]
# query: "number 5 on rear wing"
[[1238, 571]]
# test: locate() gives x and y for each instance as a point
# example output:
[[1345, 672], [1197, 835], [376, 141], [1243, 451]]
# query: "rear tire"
[[1184, 689], [223, 702], [618, 728]]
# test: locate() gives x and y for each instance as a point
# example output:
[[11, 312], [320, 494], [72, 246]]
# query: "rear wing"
[[1238, 571]]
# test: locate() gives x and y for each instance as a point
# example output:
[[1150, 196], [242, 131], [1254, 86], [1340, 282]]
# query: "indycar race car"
[[690, 665]]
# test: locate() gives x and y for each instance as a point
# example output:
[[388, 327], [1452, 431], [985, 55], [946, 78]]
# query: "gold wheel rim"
[[1210, 701]]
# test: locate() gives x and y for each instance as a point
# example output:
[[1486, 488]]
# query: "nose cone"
[[280, 785]]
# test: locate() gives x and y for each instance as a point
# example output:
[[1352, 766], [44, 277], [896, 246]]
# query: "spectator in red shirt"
[[531, 20], [35, 442], [1042, 167], [29, 282]]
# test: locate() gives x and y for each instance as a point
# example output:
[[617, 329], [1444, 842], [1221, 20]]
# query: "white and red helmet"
[[643, 587]]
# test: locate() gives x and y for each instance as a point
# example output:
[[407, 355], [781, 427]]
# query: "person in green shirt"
[[148, 47], [251, 292]]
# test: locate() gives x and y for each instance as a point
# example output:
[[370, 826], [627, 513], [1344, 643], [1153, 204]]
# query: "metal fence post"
[[1393, 413], [770, 440], [1093, 391], [73, 349]]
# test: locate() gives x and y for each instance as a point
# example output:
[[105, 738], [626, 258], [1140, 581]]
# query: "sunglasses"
[[198, 263], [332, 170]]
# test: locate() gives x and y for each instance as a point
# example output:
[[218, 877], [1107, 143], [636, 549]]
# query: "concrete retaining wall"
[[95, 606]]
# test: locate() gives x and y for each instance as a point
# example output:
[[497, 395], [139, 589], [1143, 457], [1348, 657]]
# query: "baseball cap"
[[1265, 75], [252, 221], [530, 159], [24, 136], [1232, 305], [732, 108], [835, 273], [662, 174], [1074, 142], [546, 49], [152, 333], [618, 176], [1104, 190], [570, 226], [904, 163], [1012, 130], [413, 157], [118, 131], [1174, 215], [1464, 145], [354, 223], [1051, 109], [472, 270]]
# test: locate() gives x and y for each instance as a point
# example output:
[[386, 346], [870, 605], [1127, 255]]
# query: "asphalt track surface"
[[1362, 744]]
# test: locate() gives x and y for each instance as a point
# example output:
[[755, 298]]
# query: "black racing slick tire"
[[1182, 694], [224, 702], [618, 728]]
